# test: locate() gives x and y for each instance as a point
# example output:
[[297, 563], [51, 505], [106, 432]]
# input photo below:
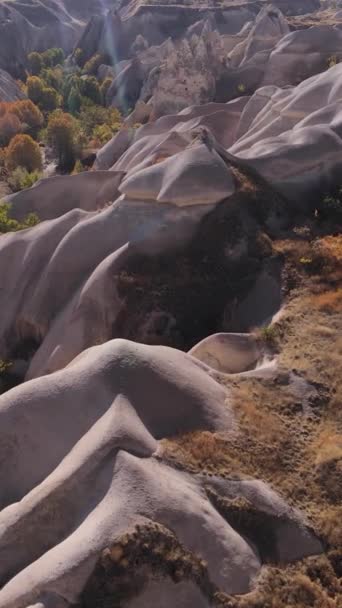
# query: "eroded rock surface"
[[91, 473]]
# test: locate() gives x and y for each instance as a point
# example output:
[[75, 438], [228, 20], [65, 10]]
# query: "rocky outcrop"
[[37, 25], [92, 476], [9, 89], [125, 89]]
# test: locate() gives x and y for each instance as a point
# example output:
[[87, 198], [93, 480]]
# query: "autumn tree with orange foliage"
[[29, 114], [24, 152], [10, 125], [17, 117]]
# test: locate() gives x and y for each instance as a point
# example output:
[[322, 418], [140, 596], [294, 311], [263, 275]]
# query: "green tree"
[[50, 99], [91, 89], [62, 131], [78, 57], [35, 88], [91, 66], [74, 101], [71, 81], [24, 152], [105, 86], [53, 77], [35, 63], [53, 57]]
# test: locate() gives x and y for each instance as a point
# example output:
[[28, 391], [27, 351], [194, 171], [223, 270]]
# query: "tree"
[[62, 132], [91, 89], [35, 63], [91, 66], [50, 100], [74, 101], [78, 57], [10, 125], [28, 113], [53, 57], [35, 88], [24, 152], [52, 77], [105, 88]]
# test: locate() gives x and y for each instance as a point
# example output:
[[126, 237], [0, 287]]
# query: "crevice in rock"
[[180, 298]]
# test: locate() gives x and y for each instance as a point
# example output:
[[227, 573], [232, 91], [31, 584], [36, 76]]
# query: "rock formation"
[[164, 434], [93, 474], [9, 89]]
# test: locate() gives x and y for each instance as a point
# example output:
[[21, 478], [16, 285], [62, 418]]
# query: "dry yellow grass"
[[328, 445], [328, 301], [296, 449]]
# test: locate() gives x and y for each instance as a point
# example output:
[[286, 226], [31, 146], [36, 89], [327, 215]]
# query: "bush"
[[269, 335], [74, 101], [52, 77], [102, 134], [24, 152], [50, 100], [28, 113], [8, 224], [91, 89], [35, 63], [105, 88], [62, 131], [92, 117], [9, 127], [53, 57], [20, 179], [35, 88], [94, 63], [78, 57]]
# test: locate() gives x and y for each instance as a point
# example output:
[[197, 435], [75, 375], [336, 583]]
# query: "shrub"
[[79, 57], [23, 151], [9, 127], [28, 113], [91, 89], [78, 168], [71, 81], [105, 88], [103, 133], [62, 132], [269, 334], [52, 77], [91, 66], [20, 179], [50, 100], [53, 57], [74, 100], [92, 117], [35, 63], [8, 224], [35, 88]]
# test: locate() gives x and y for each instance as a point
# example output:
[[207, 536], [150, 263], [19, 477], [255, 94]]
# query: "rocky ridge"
[[153, 443]]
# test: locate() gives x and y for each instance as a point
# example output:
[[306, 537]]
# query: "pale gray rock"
[[67, 298], [52, 197], [107, 156], [181, 179], [9, 89], [91, 474], [270, 26], [165, 592], [229, 353]]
